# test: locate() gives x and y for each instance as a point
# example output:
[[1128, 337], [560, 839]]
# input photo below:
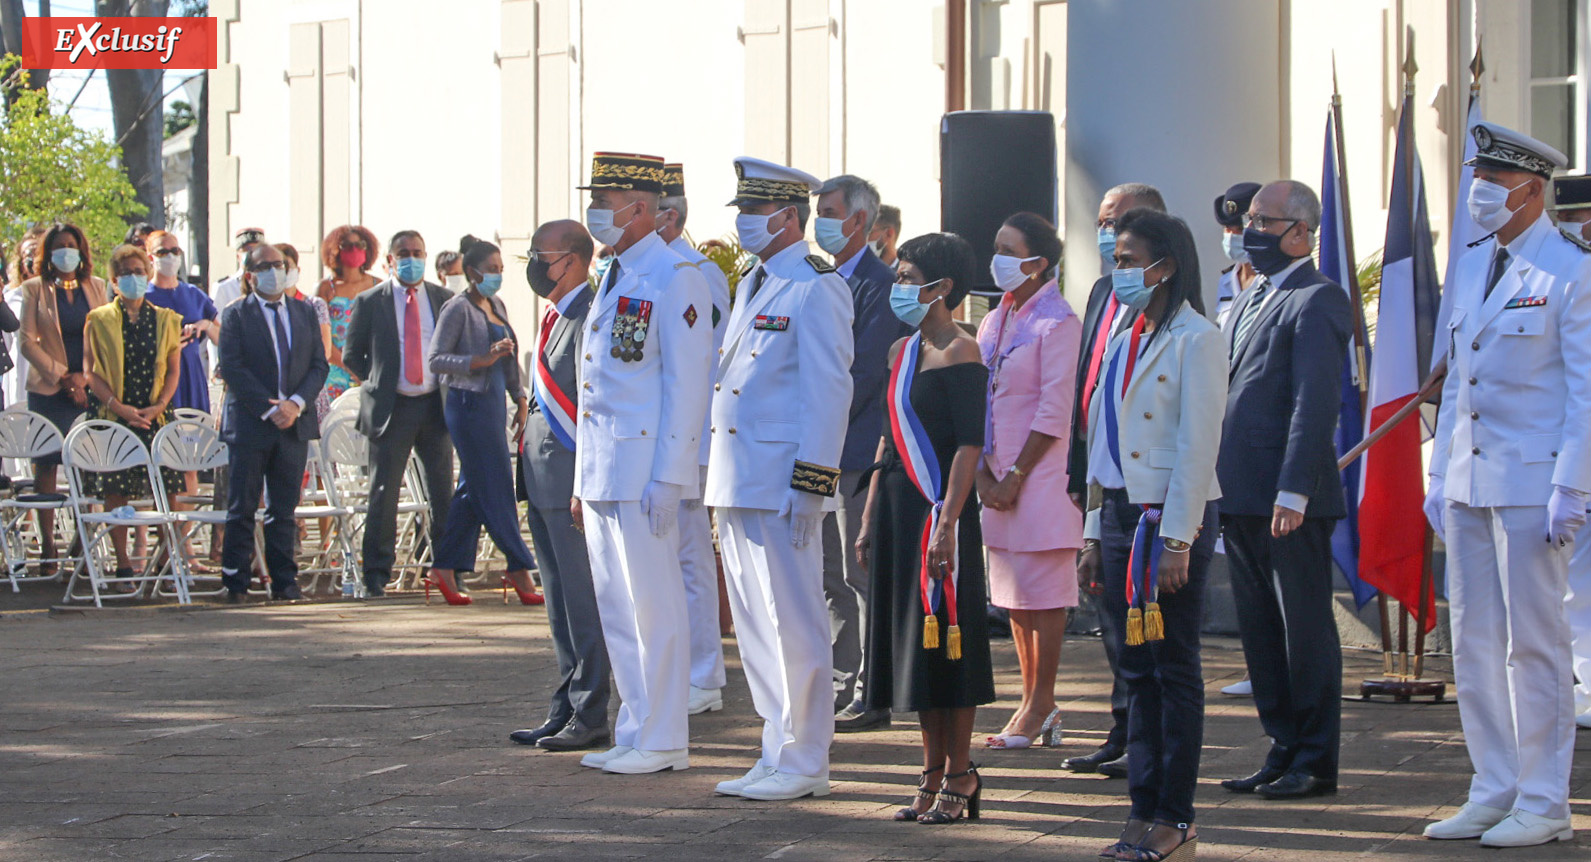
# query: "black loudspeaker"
[[993, 164]]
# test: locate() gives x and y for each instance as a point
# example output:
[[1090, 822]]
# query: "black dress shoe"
[[375, 589], [1114, 769], [236, 597], [1297, 785], [289, 593], [1092, 762], [574, 737], [851, 720], [1266, 775], [533, 736]]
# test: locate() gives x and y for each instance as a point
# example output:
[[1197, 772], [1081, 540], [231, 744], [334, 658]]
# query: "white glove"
[[806, 515], [660, 504], [1435, 502], [1565, 514]]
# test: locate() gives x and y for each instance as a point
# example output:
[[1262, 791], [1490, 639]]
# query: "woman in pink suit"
[[1031, 527]]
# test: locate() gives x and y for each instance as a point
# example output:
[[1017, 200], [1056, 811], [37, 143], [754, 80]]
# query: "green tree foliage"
[[52, 170], [178, 117]]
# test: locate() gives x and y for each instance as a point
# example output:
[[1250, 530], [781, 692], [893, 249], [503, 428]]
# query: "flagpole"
[[1350, 277]]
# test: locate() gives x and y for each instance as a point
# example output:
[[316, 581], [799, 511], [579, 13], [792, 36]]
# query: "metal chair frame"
[[189, 444], [25, 435], [96, 446]]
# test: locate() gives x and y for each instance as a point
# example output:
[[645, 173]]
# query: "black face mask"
[[1265, 250], [541, 281]]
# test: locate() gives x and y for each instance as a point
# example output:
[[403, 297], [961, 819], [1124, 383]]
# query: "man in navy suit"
[[1287, 337], [274, 365], [847, 207], [1101, 317]]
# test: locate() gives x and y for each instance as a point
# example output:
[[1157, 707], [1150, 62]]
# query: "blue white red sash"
[[916, 452], [555, 404]]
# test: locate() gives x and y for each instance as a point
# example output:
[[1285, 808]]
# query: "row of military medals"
[[629, 328]]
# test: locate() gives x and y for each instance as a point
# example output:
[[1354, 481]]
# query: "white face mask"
[[1488, 204], [600, 223], [1232, 244], [457, 283], [290, 280], [169, 265], [1007, 271], [877, 247], [753, 230]]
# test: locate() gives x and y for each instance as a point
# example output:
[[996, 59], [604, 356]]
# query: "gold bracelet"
[[1019, 471]]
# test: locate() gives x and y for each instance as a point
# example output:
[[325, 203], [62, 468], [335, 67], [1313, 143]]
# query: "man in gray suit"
[[400, 403], [560, 258]]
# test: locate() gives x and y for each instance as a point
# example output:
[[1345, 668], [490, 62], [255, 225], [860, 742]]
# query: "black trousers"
[[417, 425], [1164, 679], [274, 462], [1283, 592]]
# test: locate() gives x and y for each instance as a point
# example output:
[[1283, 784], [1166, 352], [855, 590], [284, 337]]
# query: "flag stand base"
[[1402, 689]]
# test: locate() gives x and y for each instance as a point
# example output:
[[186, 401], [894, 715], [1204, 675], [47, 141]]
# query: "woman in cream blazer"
[[1154, 431]]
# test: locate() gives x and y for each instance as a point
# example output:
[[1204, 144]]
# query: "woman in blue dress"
[[199, 318]]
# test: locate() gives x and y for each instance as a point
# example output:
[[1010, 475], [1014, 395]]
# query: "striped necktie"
[[1251, 313]]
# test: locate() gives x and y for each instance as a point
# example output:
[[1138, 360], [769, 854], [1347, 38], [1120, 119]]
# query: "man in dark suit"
[[1287, 336], [1101, 317], [846, 208], [560, 257], [400, 403], [274, 366]]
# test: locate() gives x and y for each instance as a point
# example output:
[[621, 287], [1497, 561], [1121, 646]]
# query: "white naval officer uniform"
[[1515, 421], [697, 560], [640, 421], [780, 407]]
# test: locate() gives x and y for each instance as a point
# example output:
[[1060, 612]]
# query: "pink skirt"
[[1033, 580]]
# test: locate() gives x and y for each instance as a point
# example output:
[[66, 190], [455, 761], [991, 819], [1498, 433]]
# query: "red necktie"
[[547, 320], [1101, 341], [413, 371]]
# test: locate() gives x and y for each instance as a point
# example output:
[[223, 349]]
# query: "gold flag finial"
[[1477, 67], [1409, 66]]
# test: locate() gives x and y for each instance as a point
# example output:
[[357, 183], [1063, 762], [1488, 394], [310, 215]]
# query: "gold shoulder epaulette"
[[819, 264], [684, 263]]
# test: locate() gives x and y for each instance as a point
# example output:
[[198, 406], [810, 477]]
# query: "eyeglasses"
[[166, 252], [1106, 223], [546, 255], [1263, 223], [353, 243], [262, 267]]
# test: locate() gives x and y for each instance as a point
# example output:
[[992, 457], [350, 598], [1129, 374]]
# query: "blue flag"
[[1337, 264]]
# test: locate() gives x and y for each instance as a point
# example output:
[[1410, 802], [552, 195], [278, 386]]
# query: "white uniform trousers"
[[782, 625], [1578, 606], [642, 596], [1511, 658], [700, 569]]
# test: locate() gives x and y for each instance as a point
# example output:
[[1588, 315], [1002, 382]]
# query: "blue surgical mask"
[[1128, 285], [270, 283], [829, 234], [132, 286], [1107, 243], [65, 260], [411, 269], [491, 283], [1232, 244], [903, 300]]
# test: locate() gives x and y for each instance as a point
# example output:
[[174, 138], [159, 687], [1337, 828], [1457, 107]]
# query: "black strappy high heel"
[[1185, 851], [910, 813], [1124, 844], [969, 802]]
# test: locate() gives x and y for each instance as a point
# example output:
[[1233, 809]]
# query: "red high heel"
[[453, 596], [525, 598]]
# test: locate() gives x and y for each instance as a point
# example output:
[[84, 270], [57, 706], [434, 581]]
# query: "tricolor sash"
[[1144, 622], [916, 452], [555, 404]]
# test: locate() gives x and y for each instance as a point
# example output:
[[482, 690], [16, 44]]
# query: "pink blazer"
[[1032, 360]]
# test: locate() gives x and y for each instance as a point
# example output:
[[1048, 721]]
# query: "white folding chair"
[[98, 447], [323, 498], [25, 435], [346, 404], [189, 445], [195, 414]]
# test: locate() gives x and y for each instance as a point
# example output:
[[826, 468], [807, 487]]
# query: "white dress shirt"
[[400, 303], [287, 333]]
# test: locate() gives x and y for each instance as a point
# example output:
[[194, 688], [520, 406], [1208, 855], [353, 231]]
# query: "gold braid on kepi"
[[770, 190], [626, 172], [674, 180], [760, 181], [815, 479]]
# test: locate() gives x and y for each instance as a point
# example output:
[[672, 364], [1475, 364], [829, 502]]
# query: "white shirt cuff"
[[1091, 525], [297, 400], [1288, 500]]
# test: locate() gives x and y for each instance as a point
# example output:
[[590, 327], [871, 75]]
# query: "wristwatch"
[[1175, 546]]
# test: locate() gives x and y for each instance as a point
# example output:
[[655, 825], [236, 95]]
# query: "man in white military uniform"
[[697, 560], [1509, 482], [1571, 206], [644, 385], [780, 406]]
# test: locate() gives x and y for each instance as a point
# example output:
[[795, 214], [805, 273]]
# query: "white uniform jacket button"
[[717, 386], [1148, 415], [1135, 454], [731, 430], [1475, 451], [588, 357], [1161, 378], [734, 392], [586, 415], [587, 384], [1476, 345], [1473, 381], [593, 327]]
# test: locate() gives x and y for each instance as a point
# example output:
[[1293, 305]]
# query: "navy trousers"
[[1165, 678], [274, 462], [485, 493]]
